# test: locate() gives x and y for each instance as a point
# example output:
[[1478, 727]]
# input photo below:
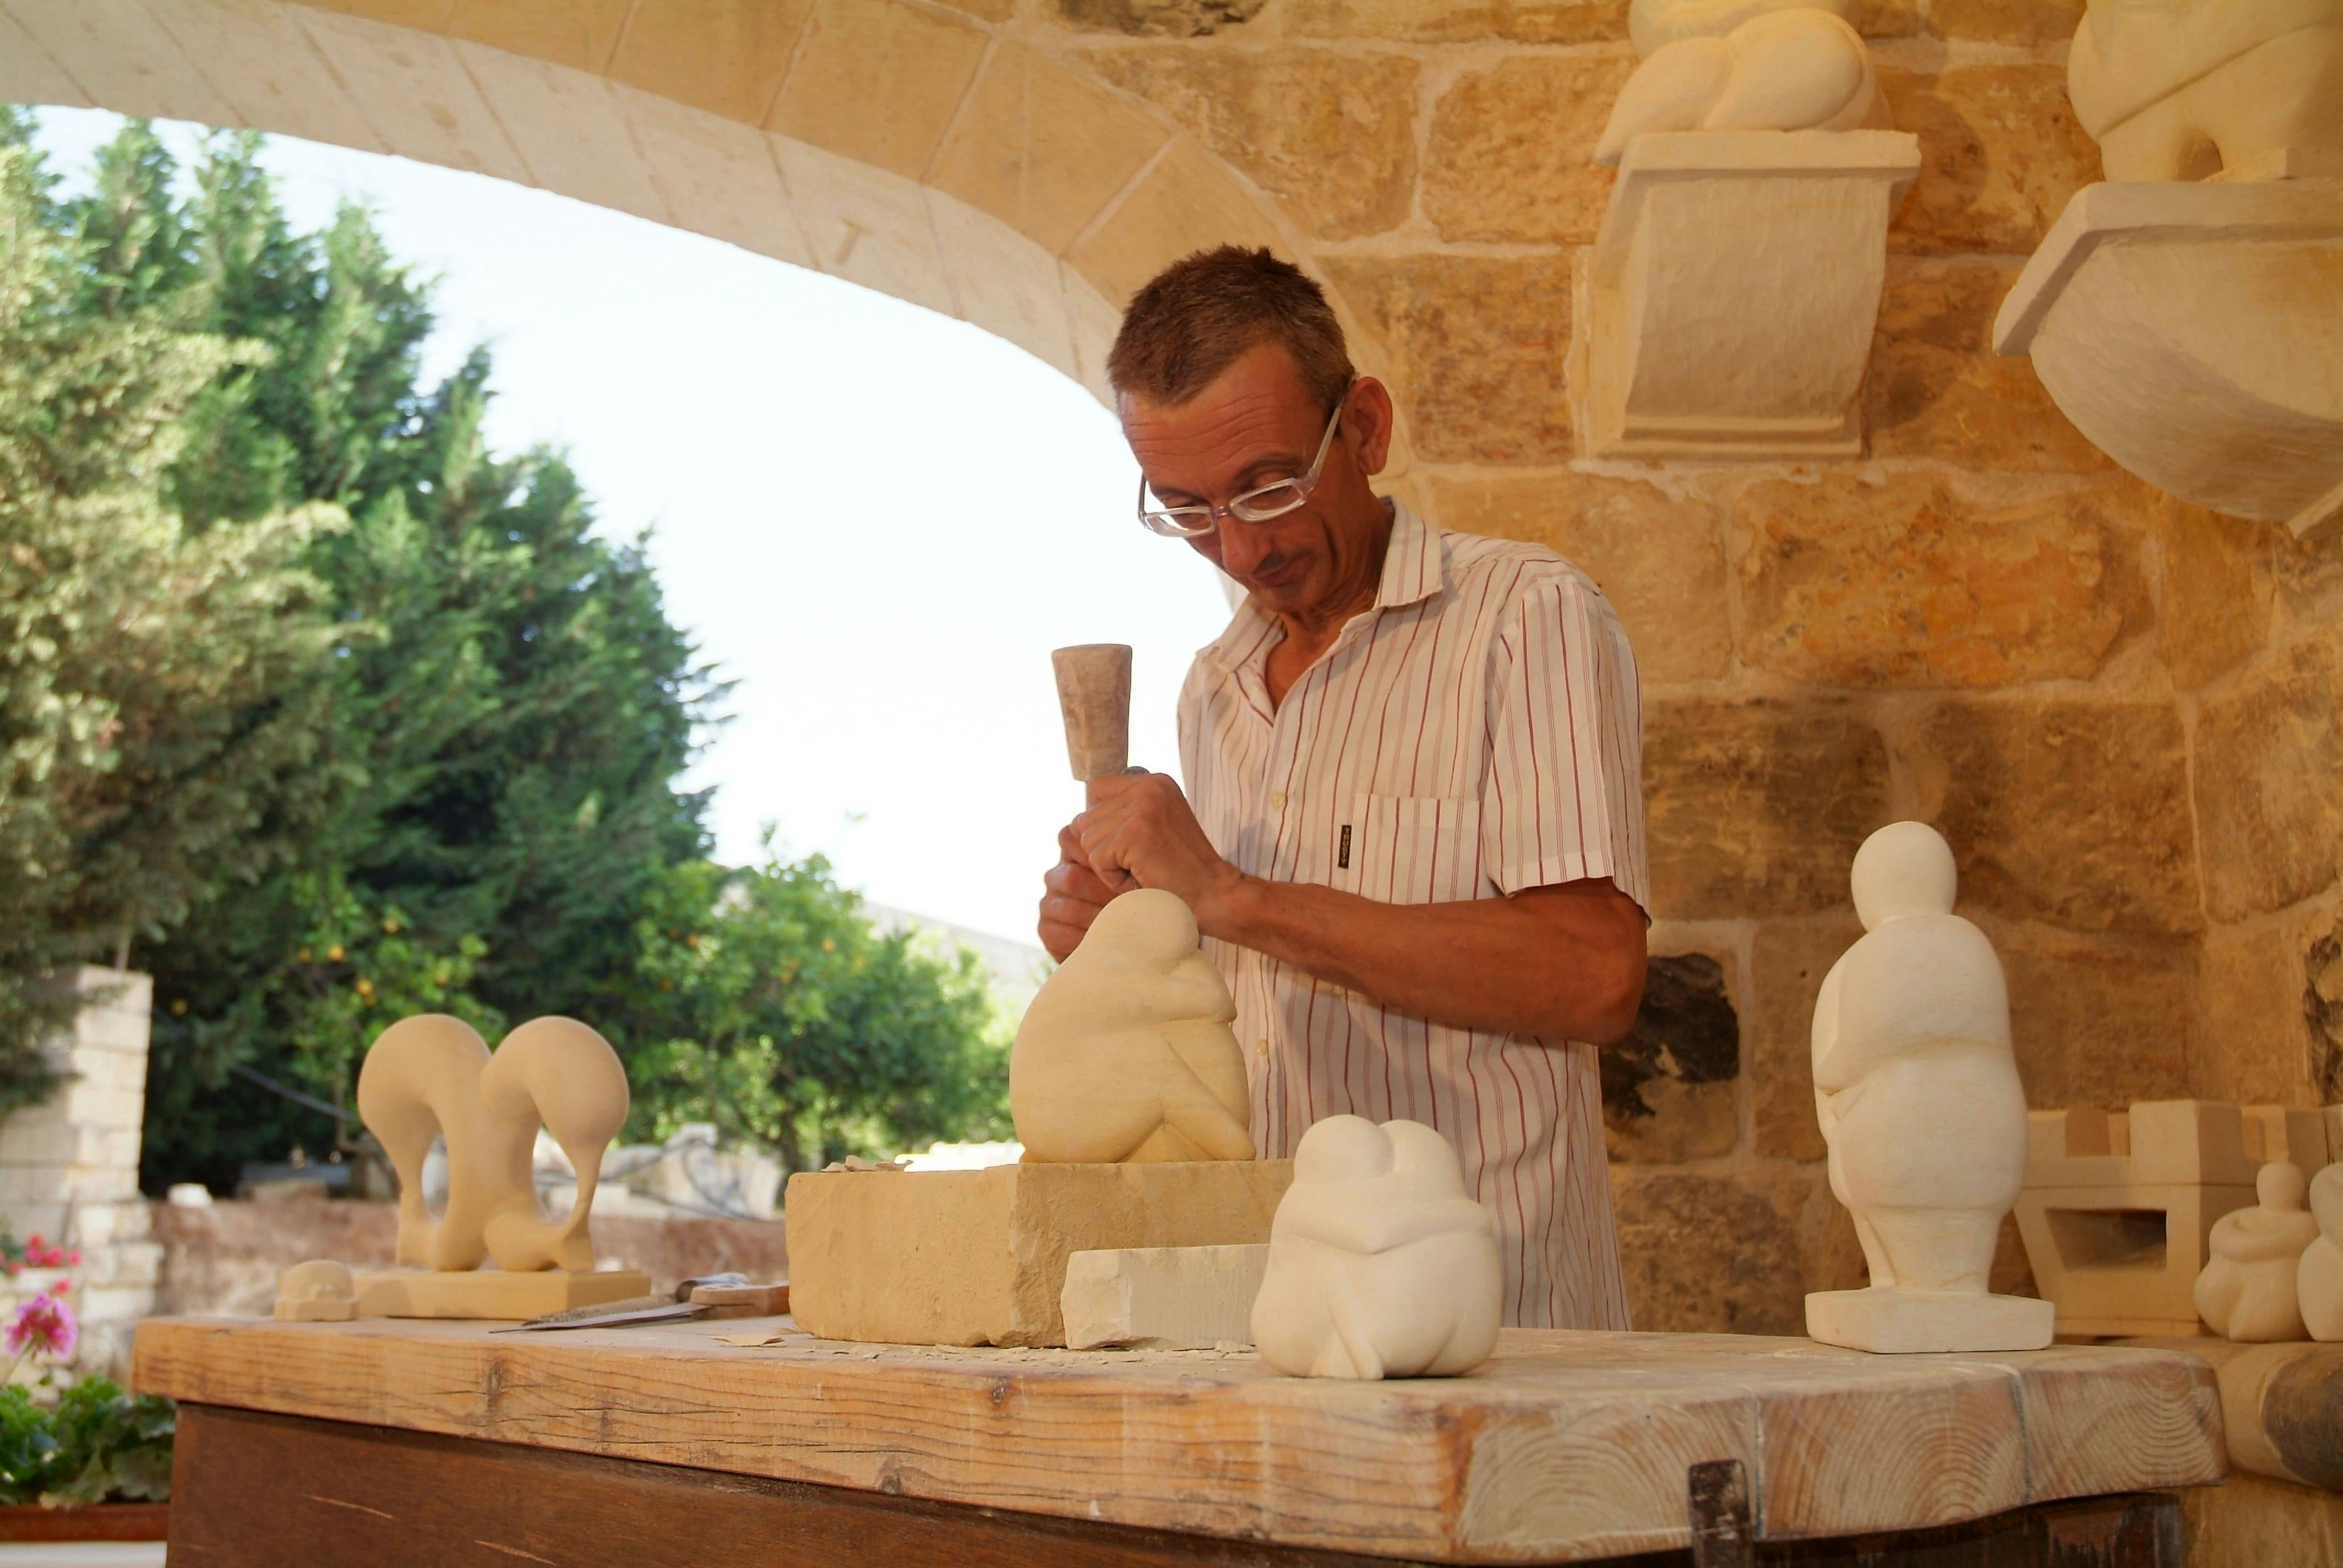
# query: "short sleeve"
[[1563, 800]]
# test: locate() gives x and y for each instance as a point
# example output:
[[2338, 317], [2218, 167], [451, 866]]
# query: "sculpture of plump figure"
[[2246, 1290], [2319, 1281], [1744, 65], [431, 1076], [1380, 1266], [2180, 89], [1915, 1082], [1125, 1055]]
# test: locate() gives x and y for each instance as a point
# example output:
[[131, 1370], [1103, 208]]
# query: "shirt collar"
[[1415, 568]]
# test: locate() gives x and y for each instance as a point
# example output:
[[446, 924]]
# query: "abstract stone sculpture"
[[2246, 1292], [320, 1290], [2319, 1279], [1744, 65], [1379, 1264], [1125, 1054], [431, 1076], [2182, 89], [1918, 1091]]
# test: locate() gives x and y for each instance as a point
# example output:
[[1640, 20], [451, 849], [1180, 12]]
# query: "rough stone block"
[[118, 52], [1043, 148], [716, 176], [579, 34], [2072, 812], [1162, 1298], [1788, 960], [979, 1257], [1757, 809], [2098, 1019], [2215, 590], [415, 92], [1658, 559], [1185, 202], [1156, 18], [1671, 1089], [2004, 154], [1332, 135], [1476, 345], [2247, 980], [2016, 22], [876, 81], [2269, 781], [1459, 21], [570, 130], [1510, 156], [865, 225], [1711, 1254], [1937, 390], [727, 56], [1909, 582]]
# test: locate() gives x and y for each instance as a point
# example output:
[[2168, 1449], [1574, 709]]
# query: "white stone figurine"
[[1379, 1264], [2182, 89], [1125, 1054], [1918, 1091], [2319, 1281], [431, 1076], [2246, 1290], [1744, 65]]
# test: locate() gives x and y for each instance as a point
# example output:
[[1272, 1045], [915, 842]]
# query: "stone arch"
[[912, 147]]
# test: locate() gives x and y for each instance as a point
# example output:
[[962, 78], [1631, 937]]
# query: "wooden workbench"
[[443, 1443]]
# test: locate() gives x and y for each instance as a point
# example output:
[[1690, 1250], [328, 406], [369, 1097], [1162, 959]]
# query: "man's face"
[[1253, 426]]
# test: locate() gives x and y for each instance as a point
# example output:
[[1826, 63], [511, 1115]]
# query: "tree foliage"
[[338, 715], [763, 1001]]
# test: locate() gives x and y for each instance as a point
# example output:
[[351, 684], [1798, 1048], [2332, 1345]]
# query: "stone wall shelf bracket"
[[2193, 333], [1735, 288]]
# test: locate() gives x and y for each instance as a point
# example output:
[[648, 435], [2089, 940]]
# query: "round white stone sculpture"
[[1125, 1055], [2246, 1292], [2319, 1281], [1380, 1266], [1918, 1091], [1743, 66]]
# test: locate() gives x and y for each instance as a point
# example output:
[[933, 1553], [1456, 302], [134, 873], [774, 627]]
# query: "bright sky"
[[877, 520]]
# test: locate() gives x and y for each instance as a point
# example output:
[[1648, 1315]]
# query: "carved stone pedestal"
[[1735, 289]]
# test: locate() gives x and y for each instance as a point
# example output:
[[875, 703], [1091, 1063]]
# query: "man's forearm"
[[1561, 963]]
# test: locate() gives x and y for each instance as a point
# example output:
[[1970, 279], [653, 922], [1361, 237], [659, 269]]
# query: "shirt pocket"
[[1409, 850]]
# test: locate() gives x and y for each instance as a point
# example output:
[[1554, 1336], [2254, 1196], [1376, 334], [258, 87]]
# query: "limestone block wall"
[[2125, 713], [69, 1167]]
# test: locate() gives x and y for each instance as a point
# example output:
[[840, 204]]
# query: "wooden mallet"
[[1094, 697]]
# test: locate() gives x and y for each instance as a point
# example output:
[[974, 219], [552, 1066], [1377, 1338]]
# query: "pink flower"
[[44, 1324], [59, 1288]]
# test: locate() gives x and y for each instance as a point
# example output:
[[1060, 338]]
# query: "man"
[[1415, 845]]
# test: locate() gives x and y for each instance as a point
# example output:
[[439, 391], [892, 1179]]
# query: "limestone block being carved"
[[1380, 1266], [2318, 1280], [1125, 1054], [2184, 89], [1922, 1112], [2246, 1292], [1744, 65], [432, 1076]]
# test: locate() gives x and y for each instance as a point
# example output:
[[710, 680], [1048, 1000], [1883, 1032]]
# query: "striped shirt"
[[1477, 732]]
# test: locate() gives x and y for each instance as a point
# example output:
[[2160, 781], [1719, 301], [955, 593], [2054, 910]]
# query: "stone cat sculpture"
[[2319, 1281], [432, 1076], [1744, 65], [2246, 1292], [2180, 89], [1379, 1264], [1918, 1091], [1125, 1054]]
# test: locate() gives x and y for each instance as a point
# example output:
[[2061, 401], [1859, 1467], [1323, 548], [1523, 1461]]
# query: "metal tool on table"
[[726, 1295], [1094, 698]]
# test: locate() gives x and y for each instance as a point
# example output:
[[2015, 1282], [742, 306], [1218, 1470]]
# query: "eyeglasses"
[[1256, 506]]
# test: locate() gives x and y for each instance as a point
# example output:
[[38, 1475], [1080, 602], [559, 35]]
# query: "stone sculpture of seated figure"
[[1379, 1264], [2246, 1292], [1744, 65], [2320, 1280], [1126, 1053]]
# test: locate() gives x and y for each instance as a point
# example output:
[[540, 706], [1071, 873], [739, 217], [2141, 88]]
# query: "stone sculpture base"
[[979, 1257], [491, 1292], [1911, 1322]]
